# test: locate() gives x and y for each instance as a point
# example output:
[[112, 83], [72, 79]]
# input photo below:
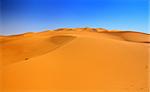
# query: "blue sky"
[[19, 16]]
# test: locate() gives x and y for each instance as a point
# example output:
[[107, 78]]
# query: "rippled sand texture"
[[75, 60]]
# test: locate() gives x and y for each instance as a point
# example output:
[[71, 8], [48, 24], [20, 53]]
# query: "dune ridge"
[[75, 60], [126, 35]]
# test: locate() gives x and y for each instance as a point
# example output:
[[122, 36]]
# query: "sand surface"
[[75, 60]]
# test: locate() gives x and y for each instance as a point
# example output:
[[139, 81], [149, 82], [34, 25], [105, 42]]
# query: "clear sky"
[[19, 16]]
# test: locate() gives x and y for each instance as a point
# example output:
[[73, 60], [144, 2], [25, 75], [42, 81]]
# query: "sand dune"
[[75, 60]]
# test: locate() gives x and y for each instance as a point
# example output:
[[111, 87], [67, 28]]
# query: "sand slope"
[[75, 60]]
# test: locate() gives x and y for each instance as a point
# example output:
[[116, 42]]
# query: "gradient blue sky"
[[19, 16]]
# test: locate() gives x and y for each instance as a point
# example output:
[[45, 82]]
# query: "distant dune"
[[75, 60]]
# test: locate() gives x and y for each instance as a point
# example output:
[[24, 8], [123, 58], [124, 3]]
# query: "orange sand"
[[75, 60]]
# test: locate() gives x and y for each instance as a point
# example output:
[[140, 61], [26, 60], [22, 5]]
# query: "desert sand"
[[75, 60]]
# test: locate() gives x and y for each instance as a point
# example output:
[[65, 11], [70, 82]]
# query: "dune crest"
[[126, 35]]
